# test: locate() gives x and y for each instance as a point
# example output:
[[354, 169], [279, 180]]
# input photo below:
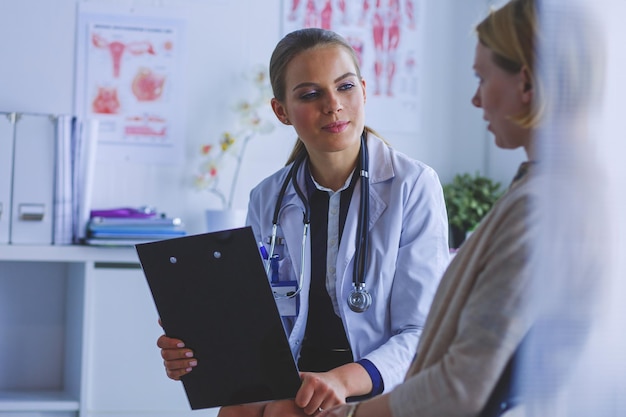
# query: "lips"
[[488, 122], [336, 127]]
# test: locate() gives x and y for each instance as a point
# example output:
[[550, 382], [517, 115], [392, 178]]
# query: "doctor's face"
[[501, 95], [324, 100]]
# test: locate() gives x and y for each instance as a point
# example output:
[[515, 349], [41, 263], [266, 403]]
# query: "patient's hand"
[[243, 410], [284, 408]]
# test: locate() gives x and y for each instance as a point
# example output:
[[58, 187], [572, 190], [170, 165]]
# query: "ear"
[[364, 90], [279, 111], [527, 88]]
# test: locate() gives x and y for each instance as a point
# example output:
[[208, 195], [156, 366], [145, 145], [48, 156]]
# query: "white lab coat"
[[408, 232]]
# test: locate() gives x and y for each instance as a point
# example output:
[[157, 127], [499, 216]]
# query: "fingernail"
[[188, 370], [193, 363], [180, 345], [189, 354]]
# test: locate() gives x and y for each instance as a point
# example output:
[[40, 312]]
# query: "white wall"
[[226, 38]]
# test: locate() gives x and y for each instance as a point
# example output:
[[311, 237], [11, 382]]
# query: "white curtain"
[[574, 363]]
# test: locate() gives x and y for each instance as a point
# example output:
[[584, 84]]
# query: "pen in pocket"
[[264, 253]]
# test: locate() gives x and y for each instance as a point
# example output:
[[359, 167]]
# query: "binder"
[[85, 146], [63, 203], [33, 180], [7, 125]]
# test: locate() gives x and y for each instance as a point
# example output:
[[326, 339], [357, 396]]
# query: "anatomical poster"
[[129, 79], [386, 36]]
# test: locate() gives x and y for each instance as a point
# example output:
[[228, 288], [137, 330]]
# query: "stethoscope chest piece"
[[359, 299]]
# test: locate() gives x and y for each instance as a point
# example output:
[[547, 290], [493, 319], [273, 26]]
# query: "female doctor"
[[355, 235]]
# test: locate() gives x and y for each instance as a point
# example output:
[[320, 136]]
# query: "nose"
[[476, 99], [332, 103]]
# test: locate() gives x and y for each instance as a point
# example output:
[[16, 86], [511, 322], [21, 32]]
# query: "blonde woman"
[[479, 316]]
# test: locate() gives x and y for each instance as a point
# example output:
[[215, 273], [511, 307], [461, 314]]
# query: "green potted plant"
[[468, 199]]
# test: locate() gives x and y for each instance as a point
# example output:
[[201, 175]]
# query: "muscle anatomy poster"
[[386, 36], [129, 79]]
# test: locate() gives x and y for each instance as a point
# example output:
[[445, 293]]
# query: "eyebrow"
[[336, 80]]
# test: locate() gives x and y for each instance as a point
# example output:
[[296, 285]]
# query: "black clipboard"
[[211, 291]]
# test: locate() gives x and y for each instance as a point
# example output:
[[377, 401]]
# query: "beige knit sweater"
[[478, 316]]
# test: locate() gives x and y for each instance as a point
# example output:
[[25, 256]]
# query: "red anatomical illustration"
[[106, 101], [147, 86]]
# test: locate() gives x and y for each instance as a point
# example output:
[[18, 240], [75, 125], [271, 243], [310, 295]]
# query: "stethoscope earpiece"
[[359, 299]]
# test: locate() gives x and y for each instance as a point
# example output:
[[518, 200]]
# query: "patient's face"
[[501, 95]]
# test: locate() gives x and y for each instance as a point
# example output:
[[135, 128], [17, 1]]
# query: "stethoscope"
[[359, 299]]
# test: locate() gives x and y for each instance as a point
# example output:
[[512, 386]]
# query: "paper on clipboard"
[[211, 291]]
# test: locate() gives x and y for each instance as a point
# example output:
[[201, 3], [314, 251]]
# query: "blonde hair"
[[510, 32]]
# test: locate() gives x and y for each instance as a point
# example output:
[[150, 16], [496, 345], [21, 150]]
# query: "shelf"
[[67, 253], [36, 401], [59, 306]]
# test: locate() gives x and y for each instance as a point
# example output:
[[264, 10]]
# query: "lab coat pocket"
[[285, 287]]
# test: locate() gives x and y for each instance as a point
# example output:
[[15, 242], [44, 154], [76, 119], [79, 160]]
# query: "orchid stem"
[[237, 169]]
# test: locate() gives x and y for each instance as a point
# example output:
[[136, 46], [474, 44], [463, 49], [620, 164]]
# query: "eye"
[[309, 95], [346, 86]]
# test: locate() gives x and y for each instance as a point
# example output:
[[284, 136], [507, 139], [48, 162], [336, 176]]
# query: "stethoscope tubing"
[[362, 237], [291, 177], [362, 242]]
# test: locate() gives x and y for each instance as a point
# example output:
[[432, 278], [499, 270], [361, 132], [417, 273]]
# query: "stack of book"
[[129, 231]]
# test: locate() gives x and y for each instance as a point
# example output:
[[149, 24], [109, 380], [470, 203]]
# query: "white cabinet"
[[78, 332]]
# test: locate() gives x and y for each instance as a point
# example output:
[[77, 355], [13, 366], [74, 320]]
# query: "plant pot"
[[225, 219]]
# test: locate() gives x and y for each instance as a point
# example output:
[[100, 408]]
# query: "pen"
[[264, 253], [274, 265]]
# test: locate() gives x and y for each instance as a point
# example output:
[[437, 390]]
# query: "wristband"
[[352, 410]]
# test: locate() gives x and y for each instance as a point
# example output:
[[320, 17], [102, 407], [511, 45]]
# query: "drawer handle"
[[31, 212]]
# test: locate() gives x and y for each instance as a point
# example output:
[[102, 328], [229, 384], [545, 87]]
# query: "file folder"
[[6, 173], [211, 291], [63, 195], [33, 180]]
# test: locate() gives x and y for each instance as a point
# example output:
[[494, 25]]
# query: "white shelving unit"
[[78, 332]]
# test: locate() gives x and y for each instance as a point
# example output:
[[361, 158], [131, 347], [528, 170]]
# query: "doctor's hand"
[[178, 359], [325, 390], [319, 390]]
